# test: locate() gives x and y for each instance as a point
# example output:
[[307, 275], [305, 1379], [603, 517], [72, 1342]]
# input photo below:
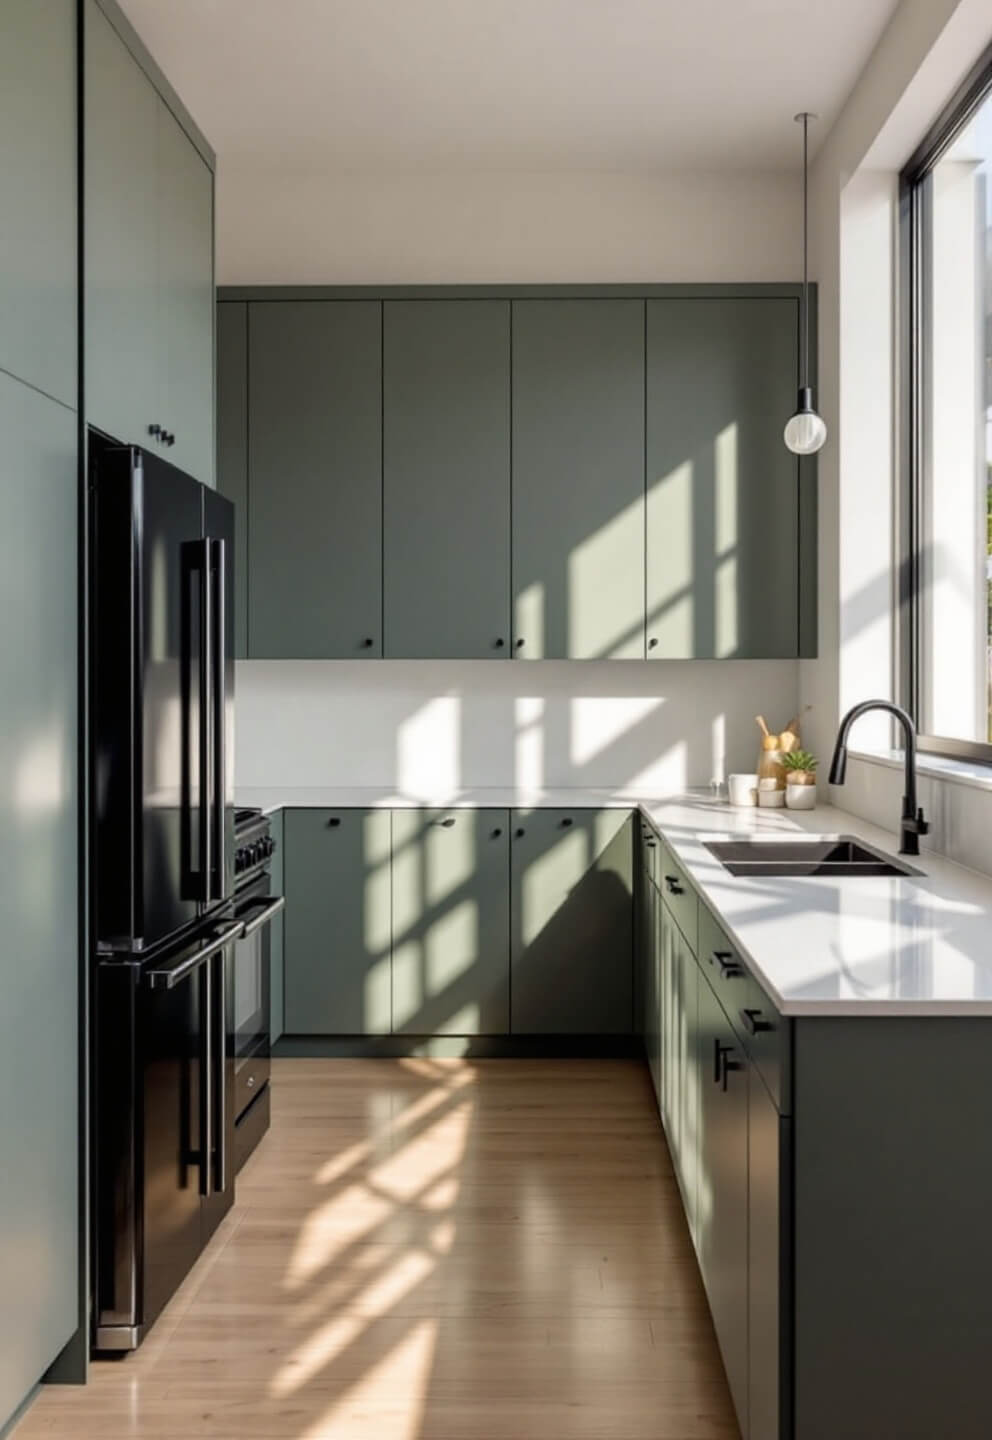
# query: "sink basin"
[[815, 855]]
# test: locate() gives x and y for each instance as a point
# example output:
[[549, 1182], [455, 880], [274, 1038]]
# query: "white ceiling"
[[626, 85]]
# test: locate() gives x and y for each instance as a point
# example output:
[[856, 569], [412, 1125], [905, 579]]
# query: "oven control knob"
[[270, 845], [239, 862]]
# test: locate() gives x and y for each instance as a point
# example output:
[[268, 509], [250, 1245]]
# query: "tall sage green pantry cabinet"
[[40, 1231], [536, 473]]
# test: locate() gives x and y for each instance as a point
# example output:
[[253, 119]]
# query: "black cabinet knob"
[[566, 822], [520, 644], [367, 643], [446, 823], [155, 430], [496, 833], [334, 822], [499, 642], [652, 642], [520, 834]]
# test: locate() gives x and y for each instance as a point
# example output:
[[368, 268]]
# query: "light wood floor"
[[433, 1250]]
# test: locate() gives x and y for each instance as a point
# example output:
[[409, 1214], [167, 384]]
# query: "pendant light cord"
[[805, 248]]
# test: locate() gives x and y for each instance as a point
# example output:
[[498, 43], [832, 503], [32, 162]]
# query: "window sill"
[[973, 773]]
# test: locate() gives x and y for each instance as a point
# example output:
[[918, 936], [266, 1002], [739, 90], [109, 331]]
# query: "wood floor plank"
[[432, 1250]]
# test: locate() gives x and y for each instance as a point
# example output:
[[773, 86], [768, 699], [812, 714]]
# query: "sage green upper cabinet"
[[451, 922], [38, 184], [186, 297], [336, 934], [232, 448], [722, 490], [578, 478], [148, 260], [315, 479], [571, 914], [123, 354], [446, 478]]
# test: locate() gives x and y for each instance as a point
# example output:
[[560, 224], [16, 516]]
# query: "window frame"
[[967, 99]]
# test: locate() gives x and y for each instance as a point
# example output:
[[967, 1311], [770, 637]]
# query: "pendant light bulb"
[[805, 430]]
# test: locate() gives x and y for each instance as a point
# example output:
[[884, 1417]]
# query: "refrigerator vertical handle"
[[206, 1080], [219, 966], [206, 723], [219, 788]]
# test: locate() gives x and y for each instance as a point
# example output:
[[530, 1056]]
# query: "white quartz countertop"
[[866, 945]]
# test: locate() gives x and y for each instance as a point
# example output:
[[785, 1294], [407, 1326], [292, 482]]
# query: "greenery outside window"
[[946, 612]]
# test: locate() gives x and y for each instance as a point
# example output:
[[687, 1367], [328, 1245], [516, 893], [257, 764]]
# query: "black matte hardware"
[[652, 642], [334, 821], [718, 1050], [520, 644], [496, 834], [912, 823], [674, 888], [367, 643], [730, 966], [500, 642], [154, 429], [446, 823], [753, 1022], [566, 822], [169, 439], [651, 844], [520, 834], [726, 1065]]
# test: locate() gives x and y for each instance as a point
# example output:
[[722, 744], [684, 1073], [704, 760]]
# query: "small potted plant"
[[800, 779]]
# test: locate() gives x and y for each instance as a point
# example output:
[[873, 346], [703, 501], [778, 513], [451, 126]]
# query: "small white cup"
[[770, 797], [743, 789]]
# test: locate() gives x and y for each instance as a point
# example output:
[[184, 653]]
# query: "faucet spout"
[[912, 823]]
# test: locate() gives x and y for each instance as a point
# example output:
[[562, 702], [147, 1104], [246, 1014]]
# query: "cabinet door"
[[722, 1221], [722, 490], [451, 922], [768, 1245], [185, 329], [38, 311], [39, 1016], [578, 478], [446, 478], [315, 479], [121, 247], [572, 922], [679, 1024], [336, 934], [232, 448]]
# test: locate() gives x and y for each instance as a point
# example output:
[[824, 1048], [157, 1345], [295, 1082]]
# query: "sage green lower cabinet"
[[679, 1002], [451, 922], [722, 1212], [571, 941], [654, 1039], [446, 479], [315, 480], [337, 935], [768, 1209], [578, 478], [722, 490]]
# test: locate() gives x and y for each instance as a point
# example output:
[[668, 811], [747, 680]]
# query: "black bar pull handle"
[[444, 824], [169, 976], [206, 723], [206, 1080], [267, 910], [753, 1023], [730, 966], [219, 793], [219, 1073], [674, 888]]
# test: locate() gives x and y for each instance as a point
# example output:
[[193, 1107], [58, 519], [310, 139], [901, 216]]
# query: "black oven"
[[250, 982]]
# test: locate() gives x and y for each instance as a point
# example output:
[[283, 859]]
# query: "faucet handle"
[[917, 824]]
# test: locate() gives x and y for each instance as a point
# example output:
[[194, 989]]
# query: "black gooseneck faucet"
[[912, 824]]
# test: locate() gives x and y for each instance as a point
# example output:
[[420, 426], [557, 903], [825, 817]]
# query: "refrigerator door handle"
[[219, 719], [206, 722], [206, 1080], [219, 1074]]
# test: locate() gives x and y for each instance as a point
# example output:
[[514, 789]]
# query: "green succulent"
[[800, 760]]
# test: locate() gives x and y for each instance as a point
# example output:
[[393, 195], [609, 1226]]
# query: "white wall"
[[280, 227], [420, 727]]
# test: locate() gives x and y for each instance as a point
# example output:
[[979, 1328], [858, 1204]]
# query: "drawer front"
[[680, 896], [758, 1024], [249, 1081]]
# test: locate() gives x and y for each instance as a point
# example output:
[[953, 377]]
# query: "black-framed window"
[[946, 260]]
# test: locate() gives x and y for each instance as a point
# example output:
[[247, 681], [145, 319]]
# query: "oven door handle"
[[270, 908], [170, 976]]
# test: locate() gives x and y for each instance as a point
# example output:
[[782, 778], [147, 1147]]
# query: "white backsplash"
[[418, 727]]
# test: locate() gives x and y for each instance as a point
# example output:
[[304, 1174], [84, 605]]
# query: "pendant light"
[[805, 431]]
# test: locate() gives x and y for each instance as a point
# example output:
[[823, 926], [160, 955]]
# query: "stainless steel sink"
[[815, 855]]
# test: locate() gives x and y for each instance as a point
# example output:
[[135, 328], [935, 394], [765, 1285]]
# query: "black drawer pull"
[[446, 823], [730, 966], [367, 643], [566, 822], [753, 1023], [674, 888], [334, 821], [651, 844]]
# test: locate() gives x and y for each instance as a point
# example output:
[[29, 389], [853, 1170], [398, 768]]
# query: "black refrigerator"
[[162, 879]]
